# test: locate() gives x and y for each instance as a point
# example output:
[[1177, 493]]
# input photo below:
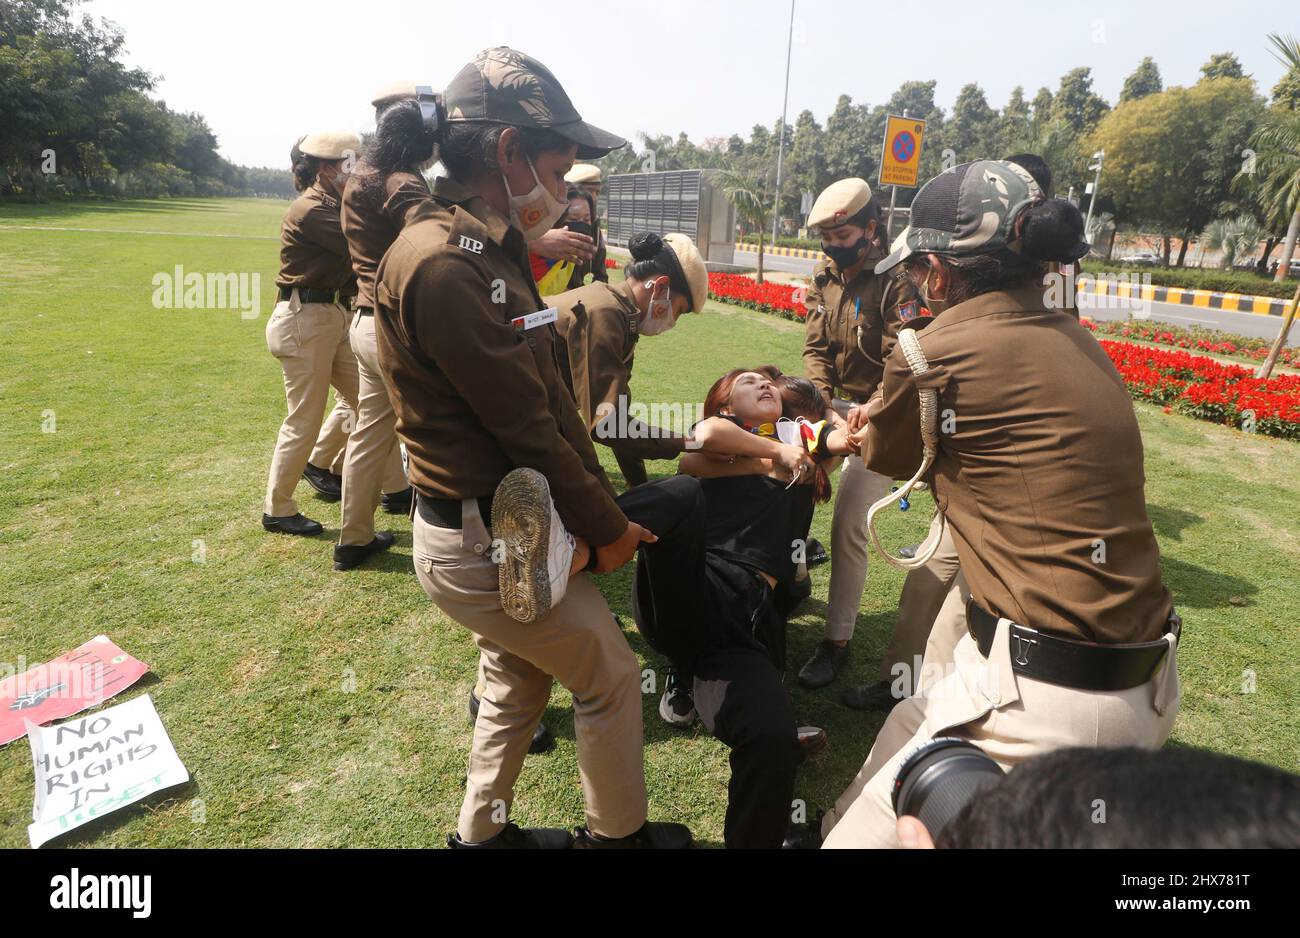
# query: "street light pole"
[[1100, 157], [780, 152]]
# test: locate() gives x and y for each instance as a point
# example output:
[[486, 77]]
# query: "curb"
[[1179, 296]]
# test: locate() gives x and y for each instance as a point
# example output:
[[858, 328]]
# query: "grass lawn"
[[322, 709]]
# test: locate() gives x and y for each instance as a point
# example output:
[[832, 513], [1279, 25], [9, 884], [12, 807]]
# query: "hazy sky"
[[265, 72]]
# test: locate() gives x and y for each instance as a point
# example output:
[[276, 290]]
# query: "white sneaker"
[[537, 550]]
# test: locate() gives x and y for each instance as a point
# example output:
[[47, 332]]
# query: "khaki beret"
[[394, 91], [692, 265], [584, 174], [839, 202], [331, 144]]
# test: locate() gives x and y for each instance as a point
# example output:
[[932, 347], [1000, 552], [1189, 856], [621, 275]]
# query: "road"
[[1247, 324]]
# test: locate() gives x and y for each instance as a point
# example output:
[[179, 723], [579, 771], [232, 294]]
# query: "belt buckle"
[[1022, 643]]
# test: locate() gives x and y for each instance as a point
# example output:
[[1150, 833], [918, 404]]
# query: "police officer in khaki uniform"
[[853, 317], [588, 178], [600, 326], [472, 364], [1072, 635], [385, 193], [308, 331]]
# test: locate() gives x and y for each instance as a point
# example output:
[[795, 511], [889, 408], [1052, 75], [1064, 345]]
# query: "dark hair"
[[1035, 166], [577, 193], [801, 398], [468, 148], [719, 395], [305, 170], [1182, 799], [1050, 230], [401, 141], [652, 256]]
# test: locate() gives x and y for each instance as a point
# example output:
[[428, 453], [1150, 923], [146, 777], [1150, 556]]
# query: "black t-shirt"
[[757, 521]]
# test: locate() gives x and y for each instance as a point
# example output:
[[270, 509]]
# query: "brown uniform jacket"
[[1039, 469], [597, 325], [313, 251], [852, 327], [374, 211], [474, 396]]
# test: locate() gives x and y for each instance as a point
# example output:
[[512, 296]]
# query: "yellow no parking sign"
[[900, 163]]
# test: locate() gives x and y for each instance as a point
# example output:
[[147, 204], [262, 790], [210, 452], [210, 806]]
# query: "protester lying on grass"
[[713, 590]]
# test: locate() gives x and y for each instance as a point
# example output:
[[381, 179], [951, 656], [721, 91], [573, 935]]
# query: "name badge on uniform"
[[531, 321]]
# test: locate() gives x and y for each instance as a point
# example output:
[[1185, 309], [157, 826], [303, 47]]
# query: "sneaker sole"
[[521, 512], [672, 719]]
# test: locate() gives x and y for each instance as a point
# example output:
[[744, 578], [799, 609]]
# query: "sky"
[[264, 72]]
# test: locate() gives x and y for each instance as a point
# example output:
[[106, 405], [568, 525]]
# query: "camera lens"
[[937, 780]]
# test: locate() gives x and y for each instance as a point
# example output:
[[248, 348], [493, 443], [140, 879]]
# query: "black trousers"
[[700, 611]]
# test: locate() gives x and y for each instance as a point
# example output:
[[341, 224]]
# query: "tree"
[[1277, 159], [806, 163], [1171, 157], [1145, 80], [1222, 65], [1075, 103], [971, 130], [848, 146], [1233, 238], [751, 204]]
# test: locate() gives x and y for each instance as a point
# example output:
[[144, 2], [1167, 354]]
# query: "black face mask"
[[846, 256], [581, 227]]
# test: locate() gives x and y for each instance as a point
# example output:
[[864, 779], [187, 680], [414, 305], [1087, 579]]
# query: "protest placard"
[[79, 680], [88, 767]]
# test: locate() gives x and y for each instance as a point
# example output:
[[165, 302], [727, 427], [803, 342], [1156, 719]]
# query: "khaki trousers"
[[925, 594], [578, 643], [374, 461], [311, 342], [1009, 716], [332, 444], [858, 487]]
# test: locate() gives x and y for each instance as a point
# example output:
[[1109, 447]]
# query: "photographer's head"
[[848, 218], [667, 278], [1126, 799], [981, 227], [325, 158], [512, 134]]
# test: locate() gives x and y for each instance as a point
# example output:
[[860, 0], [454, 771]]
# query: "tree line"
[[1176, 159], [78, 121]]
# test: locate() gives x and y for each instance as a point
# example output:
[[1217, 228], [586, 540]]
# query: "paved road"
[[1248, 324]]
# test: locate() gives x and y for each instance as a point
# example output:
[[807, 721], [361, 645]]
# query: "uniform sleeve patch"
[[909, 311]]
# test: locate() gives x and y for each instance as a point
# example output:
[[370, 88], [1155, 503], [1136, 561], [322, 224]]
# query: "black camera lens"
[[937, 780]]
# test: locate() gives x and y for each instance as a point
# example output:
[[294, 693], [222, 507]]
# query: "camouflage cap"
[[969, 209], [505, 86]]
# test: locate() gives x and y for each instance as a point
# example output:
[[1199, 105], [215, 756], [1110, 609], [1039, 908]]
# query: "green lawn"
[[165, 420]]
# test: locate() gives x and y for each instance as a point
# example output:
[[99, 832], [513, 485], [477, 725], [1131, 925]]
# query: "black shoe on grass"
[[327, 484], [827, 660], [655, 835], [353, 555], [514, 837], [292, 524]]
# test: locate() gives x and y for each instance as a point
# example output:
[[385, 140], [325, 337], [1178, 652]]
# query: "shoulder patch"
[[473, 245], [909, 311]]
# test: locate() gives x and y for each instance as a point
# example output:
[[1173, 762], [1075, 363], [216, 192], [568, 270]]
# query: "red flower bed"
[[610, 263], [779, 298], [1201, 339], [1202, 387], [1190, 384]]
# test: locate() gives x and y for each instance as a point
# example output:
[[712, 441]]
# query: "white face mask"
[[535, 212], [659, 316]]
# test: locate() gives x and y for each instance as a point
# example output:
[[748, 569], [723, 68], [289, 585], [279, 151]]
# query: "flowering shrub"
[[1198, 338], [1190, 384], [1202, 387], [610, 263], [781, 299]]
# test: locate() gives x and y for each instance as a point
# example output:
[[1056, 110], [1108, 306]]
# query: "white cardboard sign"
[[91, 766]]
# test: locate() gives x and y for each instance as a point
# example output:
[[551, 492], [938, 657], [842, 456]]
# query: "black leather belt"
[[366, 310], [312, 295], [1070, 663], [446, 512]]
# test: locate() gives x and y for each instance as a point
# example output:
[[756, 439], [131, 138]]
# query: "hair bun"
[[645, 246], [1053, 231]]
